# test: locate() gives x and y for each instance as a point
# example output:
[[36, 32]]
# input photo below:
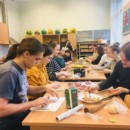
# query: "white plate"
[[93, 96]]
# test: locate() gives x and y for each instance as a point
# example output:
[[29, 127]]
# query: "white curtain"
[[116, 21]]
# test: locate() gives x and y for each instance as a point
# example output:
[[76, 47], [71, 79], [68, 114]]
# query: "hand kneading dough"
[[113, 109]]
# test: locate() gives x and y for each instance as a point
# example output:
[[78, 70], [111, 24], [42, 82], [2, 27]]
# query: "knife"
[[106, 98]]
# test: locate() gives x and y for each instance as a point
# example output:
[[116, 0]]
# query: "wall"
[[14, 24], [3, 50], [1, 16], [125, 38], [81, 14], [45, 14], [14, 21]]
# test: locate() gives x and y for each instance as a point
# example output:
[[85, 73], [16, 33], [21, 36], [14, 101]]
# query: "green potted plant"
[[28, 32], [37, 32], [65, 31], [43, 32], [57, 31]]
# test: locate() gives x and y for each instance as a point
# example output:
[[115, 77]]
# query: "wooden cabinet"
[[60, 38], [72, 39], [85, 48], [39, 37], [4, 35]]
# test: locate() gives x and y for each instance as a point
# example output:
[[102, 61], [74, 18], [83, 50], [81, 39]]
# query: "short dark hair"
[[126, 50], [48, 50]]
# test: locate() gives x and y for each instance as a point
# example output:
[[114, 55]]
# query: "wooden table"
[[89, 76], [47, 120]]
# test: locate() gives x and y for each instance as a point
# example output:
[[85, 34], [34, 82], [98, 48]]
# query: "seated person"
[[59, 58], [95, 54], [14, 87], [121, 74], [67, 56], [38, 76], [114, 53], [53, 69], [105, 58], [100, 53]]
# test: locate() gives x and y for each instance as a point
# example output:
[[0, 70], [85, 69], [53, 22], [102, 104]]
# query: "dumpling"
[[113, 109]]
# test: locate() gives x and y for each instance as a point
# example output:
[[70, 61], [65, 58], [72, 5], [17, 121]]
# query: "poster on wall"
[[126, 21]]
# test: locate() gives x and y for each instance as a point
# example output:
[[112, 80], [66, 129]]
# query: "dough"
[[113, 109]]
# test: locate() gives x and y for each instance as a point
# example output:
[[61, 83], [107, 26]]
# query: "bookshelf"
[[59, 38]]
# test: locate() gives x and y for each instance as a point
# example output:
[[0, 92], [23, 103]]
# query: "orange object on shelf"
[[99, 40]]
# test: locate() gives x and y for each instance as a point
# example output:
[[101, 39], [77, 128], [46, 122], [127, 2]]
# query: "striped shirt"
[[52, 68]]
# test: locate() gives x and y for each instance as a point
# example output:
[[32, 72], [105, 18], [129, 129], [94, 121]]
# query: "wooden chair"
[[127, 100]]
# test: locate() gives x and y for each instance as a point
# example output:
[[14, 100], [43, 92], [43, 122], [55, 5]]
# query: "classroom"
[[64, 64]]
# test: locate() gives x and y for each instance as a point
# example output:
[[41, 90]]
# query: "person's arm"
[[120, 90], [96, 61], [7, 90], [111, 80], [52, 69], [62, 73], [106, 66], [32, 90], [102, 60], [7, 108]]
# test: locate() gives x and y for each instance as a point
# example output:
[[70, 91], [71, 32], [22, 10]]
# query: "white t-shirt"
[[104, 60]]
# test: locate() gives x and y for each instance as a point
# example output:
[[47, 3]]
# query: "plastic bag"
[[91, 116], [116, 107]]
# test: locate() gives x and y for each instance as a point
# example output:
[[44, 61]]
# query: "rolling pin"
[[94, 108]]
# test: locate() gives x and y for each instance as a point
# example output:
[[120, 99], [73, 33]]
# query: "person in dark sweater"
[[69, 45], [67, 56], [120, 77], [100, 53]]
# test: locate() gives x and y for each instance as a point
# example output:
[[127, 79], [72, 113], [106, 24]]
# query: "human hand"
[[70, 62], [48, 88], [106, 71], [66, 74], [68, 67], [119, 90], [92, 87], [55, 85], [41, 101]]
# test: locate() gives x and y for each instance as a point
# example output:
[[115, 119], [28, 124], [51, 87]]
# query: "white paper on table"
[[53, 106]]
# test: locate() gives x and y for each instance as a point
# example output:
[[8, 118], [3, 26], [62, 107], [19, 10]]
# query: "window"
[[116, 20]]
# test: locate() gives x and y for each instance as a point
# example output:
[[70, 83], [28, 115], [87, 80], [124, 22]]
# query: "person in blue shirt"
[[14, 86]]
